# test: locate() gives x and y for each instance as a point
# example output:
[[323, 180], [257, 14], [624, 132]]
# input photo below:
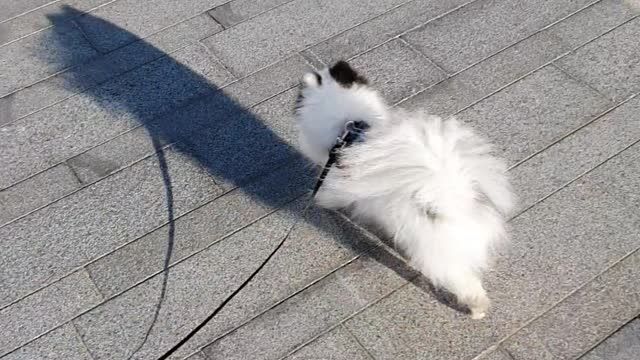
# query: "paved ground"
[[149, 164]]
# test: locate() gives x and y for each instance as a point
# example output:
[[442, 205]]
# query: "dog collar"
[[353, 132]]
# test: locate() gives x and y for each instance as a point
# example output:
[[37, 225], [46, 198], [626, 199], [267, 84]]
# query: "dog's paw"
[[479, 307], [475, 315]]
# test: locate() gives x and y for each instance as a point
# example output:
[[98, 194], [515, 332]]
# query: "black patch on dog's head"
[[344, 74]]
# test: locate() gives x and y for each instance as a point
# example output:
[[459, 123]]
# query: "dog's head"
[[329, 99], [341, 73]]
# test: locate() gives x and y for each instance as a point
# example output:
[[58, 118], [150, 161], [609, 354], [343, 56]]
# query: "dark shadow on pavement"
[[228, 141]]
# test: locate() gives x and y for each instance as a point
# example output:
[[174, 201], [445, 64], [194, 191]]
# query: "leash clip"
[[353, 131], [340, 140]]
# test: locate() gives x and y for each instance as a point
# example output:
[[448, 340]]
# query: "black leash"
[[353, 132]]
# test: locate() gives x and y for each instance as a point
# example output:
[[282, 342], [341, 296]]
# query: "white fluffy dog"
[[430, 184]]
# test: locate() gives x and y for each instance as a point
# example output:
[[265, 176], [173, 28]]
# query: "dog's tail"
[[457, 170], [459, 188]]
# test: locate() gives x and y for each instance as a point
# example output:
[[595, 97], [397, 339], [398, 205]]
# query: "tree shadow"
[[231, 143]]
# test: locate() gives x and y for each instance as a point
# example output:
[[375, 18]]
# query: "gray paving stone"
[[211, 128], [576, 154], [125, 21], [412, 324], [14, 8], [621, 167], [114, 329], [47, 244], [30, 59], [6, 109], [589, 225], [198, 284], [319, 246], [377, 30], [301, 271], [103, 160], [109, 66], [62, 343], [97, 163], [237, 11], [39, 141], [134, 262], [514, 62], [530, 114], [497, 354], [313, 59], [609, 64], [482, 28], [461, 90], [317, 308], [183, 33], [593, 21], [268, 82], [46, 309], [278, 116], [131, 147], [134, 145], [584, 318], [397, 70], [292, 27], [218, 143], [528, 279], [37, 20], [197, 356], [335, 345], [623, 345], [36, 192]]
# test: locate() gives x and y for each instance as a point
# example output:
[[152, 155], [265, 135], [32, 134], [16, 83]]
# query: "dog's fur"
[[431, 184]]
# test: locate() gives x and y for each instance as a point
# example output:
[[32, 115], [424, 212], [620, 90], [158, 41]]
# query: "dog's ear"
[[344, 74], [312, 79]]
